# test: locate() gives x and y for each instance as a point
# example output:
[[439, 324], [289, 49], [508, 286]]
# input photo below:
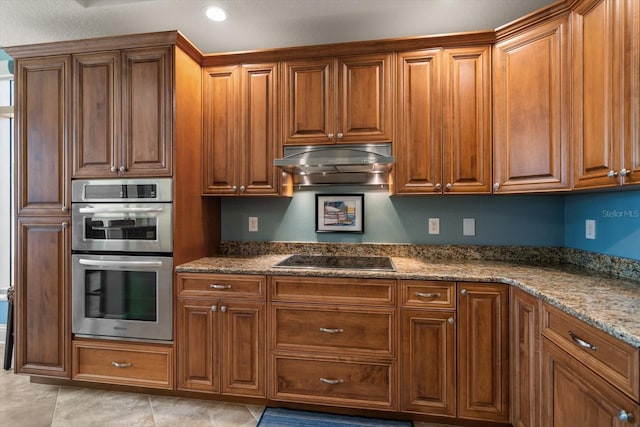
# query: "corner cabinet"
[[606, 75], [337, 100], [123, 114], [240, 130], [443, 142], [532, 110]]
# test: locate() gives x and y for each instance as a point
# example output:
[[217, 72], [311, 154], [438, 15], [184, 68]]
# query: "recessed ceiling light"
[[216, 13]]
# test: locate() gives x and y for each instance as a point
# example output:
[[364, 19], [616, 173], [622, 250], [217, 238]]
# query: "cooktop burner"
[[337, 262]]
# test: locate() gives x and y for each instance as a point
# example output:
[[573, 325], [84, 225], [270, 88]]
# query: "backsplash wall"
[[500, 220]]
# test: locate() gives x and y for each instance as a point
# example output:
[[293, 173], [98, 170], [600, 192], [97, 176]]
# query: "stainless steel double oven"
[[122, 266]]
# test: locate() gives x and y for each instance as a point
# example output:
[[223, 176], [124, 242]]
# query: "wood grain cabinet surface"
[[606, 75], [241, 130], [443, 142], [337, 100], [531, 109], [123, 113]]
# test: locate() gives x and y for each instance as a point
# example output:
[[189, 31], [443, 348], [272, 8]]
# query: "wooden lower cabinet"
[[483, 351], [143, 365], [574, 396], [221, 346], [525, 359], [428, 362]]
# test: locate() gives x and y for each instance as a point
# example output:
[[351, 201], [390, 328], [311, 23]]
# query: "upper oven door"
[[122, 227], [122, 190]]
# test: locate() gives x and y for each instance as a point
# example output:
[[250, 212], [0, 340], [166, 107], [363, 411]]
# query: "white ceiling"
[[253, 24]]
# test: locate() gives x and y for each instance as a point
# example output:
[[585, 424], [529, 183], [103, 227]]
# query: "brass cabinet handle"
[[121, 365], [428, 295], [333, 382], [582, 343], [123, 169], [624, 172], [451, 320], [223, 309], [449, 186], [214, 308], [332, 330], [438, 187], [330, 135], [243, 188], [340, 135], [496, 186], [612, 174], [219, 287], [463, 292], [113, 169]]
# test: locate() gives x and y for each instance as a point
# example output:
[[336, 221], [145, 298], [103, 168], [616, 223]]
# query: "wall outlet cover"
[[590, 229], [468, 226], [253, 223], [434, 225]]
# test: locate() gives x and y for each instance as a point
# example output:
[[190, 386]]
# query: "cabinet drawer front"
[[328, 382], [357, 330], [200, 284], [432, 294], [120, 363], [333, 290], [609, 357]]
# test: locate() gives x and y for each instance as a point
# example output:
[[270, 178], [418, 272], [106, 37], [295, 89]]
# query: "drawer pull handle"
[[332, 330], [220, 286], [581, 343], [121, 365], [427, 295], [624, 416], [332, 382]]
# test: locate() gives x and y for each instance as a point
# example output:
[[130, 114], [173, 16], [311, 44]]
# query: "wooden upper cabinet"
[[147, 111], [43, 178], [483, 351], [123, 113], [443, 141], [96, 113], [240, 130], [531, 121], [467, 120], [337, 100], [605, 102], [418, 145], [43, 304]]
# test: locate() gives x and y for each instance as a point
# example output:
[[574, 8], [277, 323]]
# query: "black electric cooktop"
[[382, 263]]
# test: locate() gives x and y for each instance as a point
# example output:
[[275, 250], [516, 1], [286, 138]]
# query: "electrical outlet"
[[590, 229], [253, 223], [434, 225], [468, 226]]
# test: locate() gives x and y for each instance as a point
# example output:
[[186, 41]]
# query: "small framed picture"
[[339, 213]]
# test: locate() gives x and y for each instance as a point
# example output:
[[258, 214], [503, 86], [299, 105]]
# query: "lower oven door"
[[122, 296]]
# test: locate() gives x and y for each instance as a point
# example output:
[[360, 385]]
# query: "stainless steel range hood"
[[363, 164]]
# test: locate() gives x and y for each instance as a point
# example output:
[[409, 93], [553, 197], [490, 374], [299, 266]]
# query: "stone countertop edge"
[[609, 304]]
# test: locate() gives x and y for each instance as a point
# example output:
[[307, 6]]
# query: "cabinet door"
[[428, 362], [198, 345], [43, 331], [467, 120], [309, 102], [147, 111], [630, 10], [364, 99], [96, 114], [526, 373], [483, 351], [221, 124], [43, 177], [243, 348], [573, 396], [531, 120], [261, 144], [418, 146]]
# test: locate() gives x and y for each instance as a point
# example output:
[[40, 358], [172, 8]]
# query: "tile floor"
[[23, 404]]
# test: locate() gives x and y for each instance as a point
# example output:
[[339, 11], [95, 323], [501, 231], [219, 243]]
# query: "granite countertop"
[[611, 305]]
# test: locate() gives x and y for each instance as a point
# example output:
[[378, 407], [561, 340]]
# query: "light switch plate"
[[434, 225], [253, 223], [590, 229], [468, 226]]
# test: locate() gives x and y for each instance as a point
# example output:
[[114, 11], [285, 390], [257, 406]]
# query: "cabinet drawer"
[[431, 294], [143, 365], [200, 284], [330, 382], [332, 329], [334, 290], [609, 357]]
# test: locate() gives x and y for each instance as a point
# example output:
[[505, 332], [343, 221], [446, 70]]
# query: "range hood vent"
[[361, 164]]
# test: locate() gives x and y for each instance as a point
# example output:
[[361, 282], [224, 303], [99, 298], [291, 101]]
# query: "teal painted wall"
[[500, 220], [617, 216], [3, 312]]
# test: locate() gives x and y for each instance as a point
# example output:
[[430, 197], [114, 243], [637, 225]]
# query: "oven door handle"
[[103, 263], [119, 210]]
